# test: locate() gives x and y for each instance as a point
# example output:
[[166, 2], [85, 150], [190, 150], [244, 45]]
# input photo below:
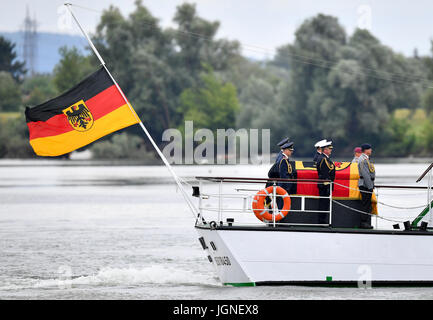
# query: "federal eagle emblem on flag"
[[79, 116], [88, 111]]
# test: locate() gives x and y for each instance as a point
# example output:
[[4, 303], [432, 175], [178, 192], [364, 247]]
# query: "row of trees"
[[350, 88]]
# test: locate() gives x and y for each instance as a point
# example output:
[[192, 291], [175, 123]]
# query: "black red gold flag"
[[83, 114], [345, 184]]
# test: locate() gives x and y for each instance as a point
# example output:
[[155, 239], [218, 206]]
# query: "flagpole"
[[164, 159]]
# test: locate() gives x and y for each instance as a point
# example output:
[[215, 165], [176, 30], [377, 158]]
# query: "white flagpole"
[[164, 159]]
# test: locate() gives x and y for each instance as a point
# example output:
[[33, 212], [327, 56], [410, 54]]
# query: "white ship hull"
[[263, 255]]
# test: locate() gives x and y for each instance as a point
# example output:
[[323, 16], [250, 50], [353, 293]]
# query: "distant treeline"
[[326, 84]]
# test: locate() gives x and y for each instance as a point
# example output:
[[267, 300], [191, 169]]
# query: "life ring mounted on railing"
[[263, 212]]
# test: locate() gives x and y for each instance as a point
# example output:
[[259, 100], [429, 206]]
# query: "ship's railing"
[[221, 208], [246, 195], [417, 218], [428, 171]]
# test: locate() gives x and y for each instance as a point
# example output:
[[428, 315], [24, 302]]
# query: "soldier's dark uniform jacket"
[[326, 171], [315, 158], [274, 170], [279, 157], [325, 168], [280, 154], [287, 170]]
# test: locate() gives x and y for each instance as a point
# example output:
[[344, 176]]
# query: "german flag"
[[85, 113], [346, 182]]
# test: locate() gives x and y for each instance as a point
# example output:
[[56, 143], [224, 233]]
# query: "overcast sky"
[[401, 24]]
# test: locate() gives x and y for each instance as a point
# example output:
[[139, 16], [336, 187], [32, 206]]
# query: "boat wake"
[[124, 277]]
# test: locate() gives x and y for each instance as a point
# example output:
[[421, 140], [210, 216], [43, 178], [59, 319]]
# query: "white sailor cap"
[[327, 144], [320, 144]]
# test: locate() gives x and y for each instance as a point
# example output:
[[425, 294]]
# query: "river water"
[[88, 230]]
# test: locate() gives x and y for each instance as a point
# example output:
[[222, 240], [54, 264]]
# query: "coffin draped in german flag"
[[90, 110], [345, 184]]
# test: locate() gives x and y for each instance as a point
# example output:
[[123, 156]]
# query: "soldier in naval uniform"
[[318, 146], [367, 174], [287, 169], [280, 154], [274, 170], [326, 171]]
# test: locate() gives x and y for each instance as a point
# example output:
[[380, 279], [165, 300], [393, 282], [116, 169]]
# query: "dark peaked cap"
[[288, 145], [365, 146], [282, 142]]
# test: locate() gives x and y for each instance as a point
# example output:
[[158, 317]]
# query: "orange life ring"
[[263, 213]]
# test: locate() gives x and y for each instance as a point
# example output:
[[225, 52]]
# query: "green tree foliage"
[[350, 88], [428, 61], [343, 88], [427, 135], [427, 100], [304, 97], [38, 89], [399, 134], [14, 142], [195, 52], [71, 69], [211, 105], [258, 85], [8, 61], [10, 94], [11, 72], [122, 146], [154, 66], [259, 103], [427, 97]]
